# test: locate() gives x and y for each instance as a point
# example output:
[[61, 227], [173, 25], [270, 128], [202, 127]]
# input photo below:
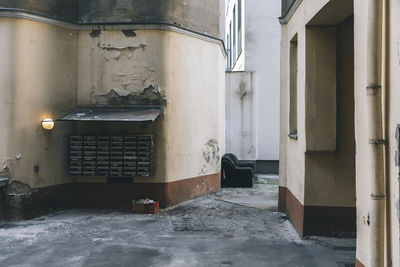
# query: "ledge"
[[289, 13], [155, 25]]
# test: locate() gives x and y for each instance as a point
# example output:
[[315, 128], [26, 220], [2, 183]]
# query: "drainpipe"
[[375, 132], [386, 128]]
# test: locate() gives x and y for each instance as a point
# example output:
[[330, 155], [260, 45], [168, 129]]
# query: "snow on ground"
[[234, 227]]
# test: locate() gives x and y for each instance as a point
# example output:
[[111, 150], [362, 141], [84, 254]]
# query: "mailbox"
[[111, 156]]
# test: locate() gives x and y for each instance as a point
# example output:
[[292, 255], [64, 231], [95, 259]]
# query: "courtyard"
[[234, 227]]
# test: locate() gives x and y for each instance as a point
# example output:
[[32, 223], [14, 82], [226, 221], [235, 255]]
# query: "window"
[[239, 27], [234, 36], [293, 88], [228, 51]]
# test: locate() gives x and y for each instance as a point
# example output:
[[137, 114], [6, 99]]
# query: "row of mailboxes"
[[113, 156]]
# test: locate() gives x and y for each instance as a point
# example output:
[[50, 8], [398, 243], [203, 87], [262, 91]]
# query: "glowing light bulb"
[[47, 124]]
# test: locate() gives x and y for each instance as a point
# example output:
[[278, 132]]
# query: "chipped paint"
[[5, 172], [95, 33], [17, 188], [129, 33], [18, 200], [130, 48], [149, 96], [5, 167]]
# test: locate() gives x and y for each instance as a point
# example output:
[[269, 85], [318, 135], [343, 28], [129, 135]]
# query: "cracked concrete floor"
[[235, 227]]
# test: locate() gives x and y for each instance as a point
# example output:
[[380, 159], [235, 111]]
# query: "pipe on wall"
[[375, 132], [386, 128]]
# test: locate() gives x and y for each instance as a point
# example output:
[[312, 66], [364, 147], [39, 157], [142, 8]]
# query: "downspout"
[[375, 132], [385, 90]]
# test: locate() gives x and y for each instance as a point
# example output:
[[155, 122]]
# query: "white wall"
[[260, 58], [263, 59], [240, 115]]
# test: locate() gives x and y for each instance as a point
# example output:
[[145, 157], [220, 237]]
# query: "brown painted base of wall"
[[282, 199], [318, 220], [98, 195], [1, 203], [38, 202], [359, 264]]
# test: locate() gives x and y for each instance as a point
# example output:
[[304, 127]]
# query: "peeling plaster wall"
[[112, 65], [37, 80], [182, 73]]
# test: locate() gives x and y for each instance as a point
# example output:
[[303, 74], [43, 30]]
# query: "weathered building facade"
[[59, 56], [252, 81], [339, 144]]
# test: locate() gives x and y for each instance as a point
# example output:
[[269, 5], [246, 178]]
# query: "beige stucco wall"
[[330, 177], [311, 177], [362, 175], [391, 82], [295, 149], [185, 71], [284, 106], [47, 70], [37, 80]]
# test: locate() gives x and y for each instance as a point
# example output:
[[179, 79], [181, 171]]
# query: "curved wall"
[[201, 16], [38, 77], [185, 72]]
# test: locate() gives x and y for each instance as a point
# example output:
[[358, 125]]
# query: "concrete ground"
[[235, 227]]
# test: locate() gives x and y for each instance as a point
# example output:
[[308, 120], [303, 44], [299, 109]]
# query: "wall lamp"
[[47, 124]]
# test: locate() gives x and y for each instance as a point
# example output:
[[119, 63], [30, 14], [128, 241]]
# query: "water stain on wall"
[[211, 155], [242, 92]]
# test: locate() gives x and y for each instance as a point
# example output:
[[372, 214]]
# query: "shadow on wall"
[[64, 10], [192, 14]]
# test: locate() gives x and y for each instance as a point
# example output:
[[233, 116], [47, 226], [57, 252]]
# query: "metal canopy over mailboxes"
[[115, 114]]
